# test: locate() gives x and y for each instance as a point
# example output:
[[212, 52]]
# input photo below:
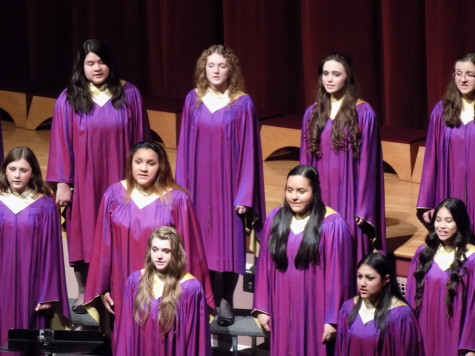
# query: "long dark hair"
[[345, 131], [383, 266], [308, 249], [463, 236], [452, 103], [78, 94], [36, 183], [164, 180]]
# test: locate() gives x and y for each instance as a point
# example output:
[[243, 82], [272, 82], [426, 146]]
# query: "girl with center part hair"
[[340, 137], [449, 160], [31, 250], [130, 210], [378, 320], [164, 306], [219, 162], [441, 282], [96, 121], [305, 270]]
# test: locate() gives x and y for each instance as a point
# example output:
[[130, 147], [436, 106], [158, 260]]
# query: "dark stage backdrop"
[[403, 50]]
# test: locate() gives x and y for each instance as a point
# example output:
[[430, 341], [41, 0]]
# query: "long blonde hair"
[[172, 290], [235, 79]]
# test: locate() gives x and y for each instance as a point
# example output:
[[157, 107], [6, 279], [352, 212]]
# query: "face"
[[145, 167], [445, 226], [299, 195], [370, 283], [95, 70], [161, 254], [18, 175], [464, 76], [334, 78], [217, 72]]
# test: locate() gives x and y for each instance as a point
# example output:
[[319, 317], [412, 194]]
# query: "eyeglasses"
[[467, 75]]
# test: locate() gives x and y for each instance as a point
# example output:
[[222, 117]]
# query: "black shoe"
[[225, 321], [79, 309]]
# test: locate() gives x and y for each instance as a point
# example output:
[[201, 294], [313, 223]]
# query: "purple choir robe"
[[300, 302], [444, 335], [219, 161], [402, 336], [31, 265], [89, 152], [121, 238], [353, 187], [190, 336], [449, 164]]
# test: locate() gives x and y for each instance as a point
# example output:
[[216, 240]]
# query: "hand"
[[470, 353], [359, 221], [427, 216], [108, 302], [63, 194], [329, 333], [264, 319], [43, 306], [241, 209]]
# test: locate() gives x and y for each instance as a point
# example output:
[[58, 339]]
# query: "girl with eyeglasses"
[[449, 161]]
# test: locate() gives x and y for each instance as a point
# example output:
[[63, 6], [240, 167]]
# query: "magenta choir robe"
[[121, 238], [89, 152], [449, 164], [402, 336], [445, 335], [353, 187], [31, 265], [190, 336], [219, 161], [300, 302]]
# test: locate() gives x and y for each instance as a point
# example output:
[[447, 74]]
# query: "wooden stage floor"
[[401, 221]]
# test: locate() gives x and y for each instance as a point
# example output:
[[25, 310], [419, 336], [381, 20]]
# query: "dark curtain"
[[403, 50]]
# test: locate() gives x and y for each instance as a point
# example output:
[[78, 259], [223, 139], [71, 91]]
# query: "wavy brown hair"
[[463, 237], [36, 183], [235, 83], [164, 180], [176, 269], [452, 102], [346, 134]]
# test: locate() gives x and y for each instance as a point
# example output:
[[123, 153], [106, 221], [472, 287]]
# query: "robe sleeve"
[[184, 141], [403, 334], [338, 266], [61, 155], [187, 225], [467, 339], [100, 268], [128, 331], [305, 156], [249, 172], [370, 190], [411, 286], [264, 270], [343, 335], [53, 280], [141, 125], [429, 186], [197, 321]]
